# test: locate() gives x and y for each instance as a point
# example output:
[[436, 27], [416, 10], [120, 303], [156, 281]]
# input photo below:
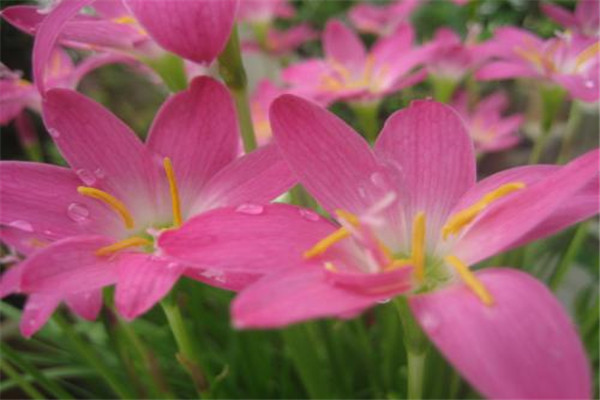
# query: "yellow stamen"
[[587, 54], [326, 243], [125, 19], [471, 280], [464, 217], [330, 267], [175, 201], [111, 201], [348, 216], [134, 241], [398, 263], [418, 245]]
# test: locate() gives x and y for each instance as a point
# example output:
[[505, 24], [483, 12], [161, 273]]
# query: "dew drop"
[[53, 132], [22, 225], [172, 265], [384, 301], [86, 176], [308, 214], [378, 179], [430, 322], [250, 209], [78, 212], [215, 275], [99, 172]]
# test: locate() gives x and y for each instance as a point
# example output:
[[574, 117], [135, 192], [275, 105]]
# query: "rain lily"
[[569, 61], [584, 21], [95, 224], [281, 42], [488, 128], [261, 100], [382, 20], [349, 72], [410, 220]]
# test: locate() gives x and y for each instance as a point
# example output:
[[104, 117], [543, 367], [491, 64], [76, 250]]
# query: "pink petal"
[[198, 130], [234, 281], [257, 177], [496, 70], [68, 266], [343, 46], [196, 30], [42, 201], [581, 87], [329, 158], [87, 305], [265, 238], [388, 283], [10, 281], [560, 14], [433, 152], [25, 18], [102, 150], [506, 223], [524, 346], [37, 311], [295, 295], [143, 280]]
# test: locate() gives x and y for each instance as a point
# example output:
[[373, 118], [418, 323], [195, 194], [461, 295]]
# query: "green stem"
[[567, 261], [575, 116], [171, 70], [187, 355], [23, 384], [443, 89], [416, 344], [367, 115], [233, 73], [88, 354], [552, 98]]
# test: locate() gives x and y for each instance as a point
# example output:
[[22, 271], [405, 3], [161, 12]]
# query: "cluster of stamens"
[[345, 80]]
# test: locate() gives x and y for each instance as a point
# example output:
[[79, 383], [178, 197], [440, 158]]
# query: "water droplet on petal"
[[384, 301], [78, 212], [378, 179], [99, 172], [250, 209], [213, 274], [172, 265], [22, 225], [430, 322], [308, 214], [53, 132], [86, 176]]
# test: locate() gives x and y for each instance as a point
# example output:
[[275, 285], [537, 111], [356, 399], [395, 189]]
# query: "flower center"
[[343, 79], [121, 209]]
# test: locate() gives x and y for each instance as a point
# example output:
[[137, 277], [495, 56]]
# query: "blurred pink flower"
[[281, 42], [264, 11], [584, 21], [486, 125], [570, 61], [382, 19], [95, 224], [411, 220], [261, 100], [348, 72]]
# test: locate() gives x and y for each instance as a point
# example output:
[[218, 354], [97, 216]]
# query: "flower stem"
[[567, 261], [552, 98], [575, 116], [23, 384], [233, 73], [367, 115], [417, 345], [443, 89], [171, 70], [187, 355]]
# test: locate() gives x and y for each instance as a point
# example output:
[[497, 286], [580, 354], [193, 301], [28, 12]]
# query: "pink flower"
[[261, 100], [584, 21], [570, 61], [95, 224], [382, 20], [488, 128], [281, 42], [411, 219], [264, 11], [348, 72]]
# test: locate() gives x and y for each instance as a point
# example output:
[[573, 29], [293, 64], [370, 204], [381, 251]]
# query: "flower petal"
[[265, 238], [102, 150], [433, 153], [504, 225], [87, 305], [197, 129], [257, 177], [68, 266], [196, 30], [523, 346], [343, 46], [143, 280], [505, 70], [334, 163], [37, 311], [294, 295]]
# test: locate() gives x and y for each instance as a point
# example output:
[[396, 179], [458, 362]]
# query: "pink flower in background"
[[382, 19], [584, 21], [489, 129], [281, 42], [570, 61], [94, 224], [264, 11], [411, 219], [261, 100], [349, 72]]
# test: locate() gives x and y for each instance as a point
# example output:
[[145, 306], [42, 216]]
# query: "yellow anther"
[[23, 83], [587, 54], [125, 19], [326, 243], [398, 263], [330, 267], [464, 217], [347, 216], [418, 245], [111, 201], [471, 280], [175, 201], [134, 241]]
